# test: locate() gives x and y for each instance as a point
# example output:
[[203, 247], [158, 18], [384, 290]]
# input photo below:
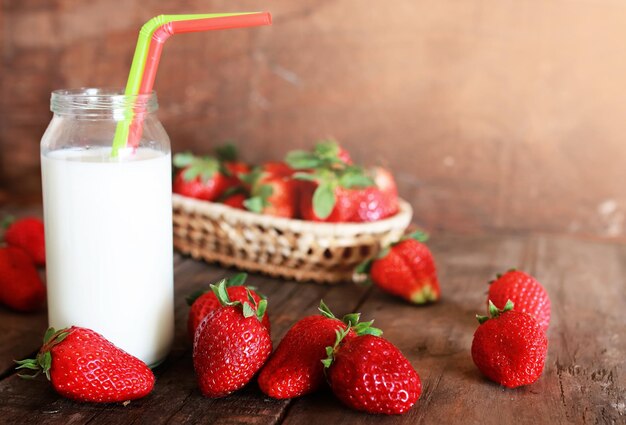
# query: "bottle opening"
[[101, 101]]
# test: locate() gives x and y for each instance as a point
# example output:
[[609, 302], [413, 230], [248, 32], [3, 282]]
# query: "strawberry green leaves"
[[227, 152], [324, 199], [259, 199], [196, 167], [352, 324], [43, 361], [328, 180], [495, 311], [324, 155], [249, 308], [236, 280]]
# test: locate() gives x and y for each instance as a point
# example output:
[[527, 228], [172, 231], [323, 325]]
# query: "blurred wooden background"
[[495, 115]]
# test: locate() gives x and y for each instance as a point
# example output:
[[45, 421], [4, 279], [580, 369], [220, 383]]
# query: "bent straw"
[[147, 55]]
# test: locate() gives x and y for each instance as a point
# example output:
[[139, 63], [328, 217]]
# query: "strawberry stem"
[[249, 308], [495, 311], [43, 361]]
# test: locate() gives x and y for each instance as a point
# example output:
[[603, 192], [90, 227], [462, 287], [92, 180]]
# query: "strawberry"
[[405, 269], [20, 285], [27, 233], [230, 345], [235, 201], [509, 347], [230, 166], [369, 373], [272, 192], [83, 366], [334, 190], [386, 183], [526, 293], [348, 195], [235, 170], [295, 368], [200, 177], [204, 302], [277, 169]]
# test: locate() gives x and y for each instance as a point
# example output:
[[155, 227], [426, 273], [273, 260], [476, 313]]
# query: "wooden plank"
[[434, 338], [584, 378], [176, 397]]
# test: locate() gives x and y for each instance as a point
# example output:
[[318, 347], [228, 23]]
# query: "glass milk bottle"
[[108, 221]]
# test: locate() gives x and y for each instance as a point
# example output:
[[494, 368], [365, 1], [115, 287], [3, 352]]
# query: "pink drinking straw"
[[168, 29]]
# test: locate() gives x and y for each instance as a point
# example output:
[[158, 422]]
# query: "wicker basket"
[[293, 249]]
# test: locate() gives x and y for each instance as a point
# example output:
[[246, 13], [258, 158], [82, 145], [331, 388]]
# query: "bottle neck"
[[98, 103]]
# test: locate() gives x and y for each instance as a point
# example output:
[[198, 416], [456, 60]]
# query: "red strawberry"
[[509, 347], [230, 345], [369, 373], [235, 201], [295, 368], [346, 196], [272, 194], [385, 181], [344, 156], [28, 234], [20, 285], [199, 178], [338, 191], [204, 302], [526, 293], [373, 204], [83, 366], [278, 169], [235, 170], [406, 269]]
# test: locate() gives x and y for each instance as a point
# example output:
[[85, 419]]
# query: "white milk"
[[109, 257]]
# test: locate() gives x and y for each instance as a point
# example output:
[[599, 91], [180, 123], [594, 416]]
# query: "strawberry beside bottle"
[[21, 287], [27, 233], [83, 366], [230, 345]]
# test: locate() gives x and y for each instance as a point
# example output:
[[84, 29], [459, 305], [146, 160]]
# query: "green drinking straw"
[[135, 74]]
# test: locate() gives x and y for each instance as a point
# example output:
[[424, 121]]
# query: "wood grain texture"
[[584, 380], [493, 115]]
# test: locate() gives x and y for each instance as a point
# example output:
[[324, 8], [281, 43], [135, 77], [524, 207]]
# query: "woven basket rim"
[[401, 218]]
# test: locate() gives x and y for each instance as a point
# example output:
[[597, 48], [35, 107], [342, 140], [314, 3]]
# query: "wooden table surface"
[[584, 380]]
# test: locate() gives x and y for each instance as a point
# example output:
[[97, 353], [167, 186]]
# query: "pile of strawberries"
[[510, 345], [321, 185], [231, 344], [21, 287]]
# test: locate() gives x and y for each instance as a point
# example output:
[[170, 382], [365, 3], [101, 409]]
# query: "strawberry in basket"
[[200, 177], [334, 190], [209, 177], [273, 191], [231, 166]]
